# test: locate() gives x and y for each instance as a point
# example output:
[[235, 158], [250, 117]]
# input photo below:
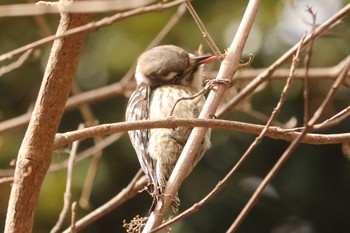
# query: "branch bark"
[[34, 156], [63, 139]]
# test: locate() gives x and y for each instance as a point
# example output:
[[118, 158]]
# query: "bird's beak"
[[204, 59]]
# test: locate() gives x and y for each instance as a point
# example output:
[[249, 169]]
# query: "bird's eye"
[[170, 76]]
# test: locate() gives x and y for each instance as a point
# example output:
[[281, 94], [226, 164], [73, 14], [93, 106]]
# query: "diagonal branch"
[[320, 31], [292, 147], [92, 26], [226, 71]]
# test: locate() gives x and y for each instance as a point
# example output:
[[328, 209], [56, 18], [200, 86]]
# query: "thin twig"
[[334, 120], [88, 152], [96, 95], [289, 151], [90, 120], [204, 31], [67, 193], [307, 61], [136, 184], [92, 26], [16, 64], [46, 7], [330, 95], [5, 180], [81, 156], [73, 228], [265, 75], [209, 85]]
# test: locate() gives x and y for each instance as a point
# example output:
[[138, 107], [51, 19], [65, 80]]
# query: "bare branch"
[[16, 64], [289, 151], [204, 31], [63, 139], [34, 156], [6, 180], [73, 218], [307, 61], [92, 26], [264, 76], [137, 183], [68, 192], [334, 120], [88, 152], [43, 7]]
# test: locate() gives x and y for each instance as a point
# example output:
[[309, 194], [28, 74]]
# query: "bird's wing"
[[138, 109]]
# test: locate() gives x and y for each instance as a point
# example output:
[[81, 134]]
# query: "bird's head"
[[169, 64]]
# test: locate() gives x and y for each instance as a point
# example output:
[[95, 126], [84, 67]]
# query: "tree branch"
[[34, 156], [274, 132], [92, 26], [320, 31], [133, 188]]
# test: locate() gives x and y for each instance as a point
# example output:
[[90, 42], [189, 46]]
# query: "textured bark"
[[34, 156]]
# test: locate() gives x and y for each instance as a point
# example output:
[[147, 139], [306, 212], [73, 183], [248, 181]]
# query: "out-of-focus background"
[[311, 192]]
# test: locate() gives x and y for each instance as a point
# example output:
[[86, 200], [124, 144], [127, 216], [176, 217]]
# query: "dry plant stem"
[[73, 102], [221, 184], [34, 156], [320, 31], [89, 119], [68, 192], [82, 155], [136, 184], [88, 152], [289, 151], [92, 26], [334, 120], [47, 7], [330, 95], [204, 31], [73, 218], [307, 61], [41, 22], [281, 74], [6, 180], [16, 64], [183, 165]]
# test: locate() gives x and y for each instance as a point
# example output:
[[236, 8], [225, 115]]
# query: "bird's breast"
[[164, 98], [166, 144]]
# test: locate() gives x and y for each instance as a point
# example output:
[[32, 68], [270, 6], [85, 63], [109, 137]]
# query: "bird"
[[165, 74]]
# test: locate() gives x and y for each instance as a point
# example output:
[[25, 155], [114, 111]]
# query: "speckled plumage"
[[164, 74]]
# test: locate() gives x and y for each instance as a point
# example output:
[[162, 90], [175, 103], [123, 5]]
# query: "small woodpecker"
[[165, 74]]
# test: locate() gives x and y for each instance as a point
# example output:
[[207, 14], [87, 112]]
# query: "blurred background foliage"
[[310, 194]]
